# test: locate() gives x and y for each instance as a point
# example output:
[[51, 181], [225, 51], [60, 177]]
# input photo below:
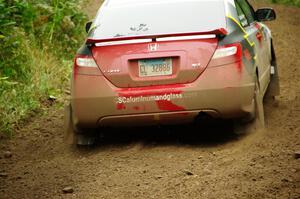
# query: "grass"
[[287, 2], [49, 76], [37, 42]]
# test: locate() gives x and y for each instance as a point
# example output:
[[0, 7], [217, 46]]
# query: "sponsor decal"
[[136, 99], [196, 65], [112, 71]]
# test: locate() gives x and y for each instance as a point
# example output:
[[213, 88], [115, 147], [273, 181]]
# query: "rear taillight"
[[86, 62], [86, 65], [227, 54]]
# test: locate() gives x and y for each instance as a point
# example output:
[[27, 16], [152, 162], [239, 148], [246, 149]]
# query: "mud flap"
[[274, 86], [68, 126], [73, 135], [259, 113]]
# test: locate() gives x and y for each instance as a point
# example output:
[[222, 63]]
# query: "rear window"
[[126, 18]]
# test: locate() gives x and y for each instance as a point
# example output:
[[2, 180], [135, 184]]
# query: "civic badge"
[[153, 47], [196, 65]]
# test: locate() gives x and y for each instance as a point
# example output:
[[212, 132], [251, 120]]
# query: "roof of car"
[[123, 3], [117, 3], [124, 18]]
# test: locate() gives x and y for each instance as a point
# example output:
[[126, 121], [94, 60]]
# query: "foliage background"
[[38, 39], [288, 2]]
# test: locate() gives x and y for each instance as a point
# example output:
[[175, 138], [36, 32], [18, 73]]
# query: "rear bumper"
[[225, 92]]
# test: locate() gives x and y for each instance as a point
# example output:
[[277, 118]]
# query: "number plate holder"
[[155, 67]]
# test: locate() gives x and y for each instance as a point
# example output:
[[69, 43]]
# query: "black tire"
[[76, 136]]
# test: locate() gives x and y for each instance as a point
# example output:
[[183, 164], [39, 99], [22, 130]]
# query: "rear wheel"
[[74, 135], [255, 119]]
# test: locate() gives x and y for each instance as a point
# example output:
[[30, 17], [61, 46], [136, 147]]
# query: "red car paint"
[[124, 59], [164, 105]]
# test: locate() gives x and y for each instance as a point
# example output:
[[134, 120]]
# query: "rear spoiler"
[[219, 32]]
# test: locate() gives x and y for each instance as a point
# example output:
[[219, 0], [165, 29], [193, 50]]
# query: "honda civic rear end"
[[158, 62]]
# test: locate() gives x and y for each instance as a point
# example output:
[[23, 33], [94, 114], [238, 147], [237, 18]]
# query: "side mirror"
[[265, 14], [88, 26]]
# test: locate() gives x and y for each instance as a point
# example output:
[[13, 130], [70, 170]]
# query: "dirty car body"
[[167, 62]]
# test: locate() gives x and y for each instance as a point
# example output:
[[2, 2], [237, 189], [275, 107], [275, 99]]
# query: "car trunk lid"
[[148, 62]]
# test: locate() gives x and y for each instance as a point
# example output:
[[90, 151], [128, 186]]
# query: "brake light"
[[85, 62], [227, 54], [86, 65], [224, 52]]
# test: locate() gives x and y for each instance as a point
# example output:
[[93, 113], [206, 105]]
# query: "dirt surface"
[[166, 163]]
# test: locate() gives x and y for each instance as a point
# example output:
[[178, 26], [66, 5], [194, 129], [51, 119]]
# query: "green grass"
[[38, 39], [48, 77], [287, 2]]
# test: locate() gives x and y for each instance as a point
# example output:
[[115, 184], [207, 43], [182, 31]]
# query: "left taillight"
[[86, 62], [86, 65]]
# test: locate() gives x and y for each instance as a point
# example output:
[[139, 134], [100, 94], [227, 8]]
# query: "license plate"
[[155, 67]]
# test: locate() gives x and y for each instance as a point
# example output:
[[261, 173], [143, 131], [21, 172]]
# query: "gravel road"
[[168, 163]]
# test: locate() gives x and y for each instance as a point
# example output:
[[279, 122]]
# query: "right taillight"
[[86, 65], [227, 54]]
